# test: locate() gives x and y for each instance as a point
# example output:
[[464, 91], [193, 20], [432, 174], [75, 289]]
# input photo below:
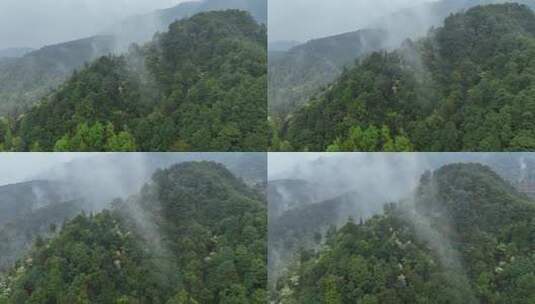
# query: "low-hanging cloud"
[[303, 20], [21, 167], [36, 23], [380, 178], [368, 174]]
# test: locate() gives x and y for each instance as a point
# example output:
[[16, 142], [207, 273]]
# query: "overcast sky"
[[303, 20], [35, 23], [19, 167]]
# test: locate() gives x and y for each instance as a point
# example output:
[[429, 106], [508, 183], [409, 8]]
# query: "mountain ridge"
[[24, 81], [428, 249]]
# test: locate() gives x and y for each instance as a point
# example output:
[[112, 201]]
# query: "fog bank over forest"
[[34, 24], [302, 20]]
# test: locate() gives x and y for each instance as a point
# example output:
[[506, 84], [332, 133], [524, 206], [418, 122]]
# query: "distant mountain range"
[[298, 73], [14, 52], [19, 199]]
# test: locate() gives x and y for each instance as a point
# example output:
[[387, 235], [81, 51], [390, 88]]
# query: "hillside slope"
[[198, 87], [194, 234], [24, 81], [466, 87], [466, 238], [298, 74]]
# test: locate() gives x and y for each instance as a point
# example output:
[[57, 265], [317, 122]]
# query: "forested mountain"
[[201, 86], [194, 234], [416, 20], [29, 210], [297, 74], [24, 81], [466, 87], [466, 237], [141, 28]]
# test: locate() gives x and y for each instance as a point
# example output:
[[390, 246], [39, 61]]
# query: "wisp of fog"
[[37, 23], [302, 20]]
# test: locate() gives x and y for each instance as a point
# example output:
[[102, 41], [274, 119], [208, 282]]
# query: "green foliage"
[[468, 86], [96, 138], [24, 81], [195, 234], [467, 238], [201, 86], [371, 139]]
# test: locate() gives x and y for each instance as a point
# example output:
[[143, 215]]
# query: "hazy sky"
[[19, 167], [303, 20], [35, 23]]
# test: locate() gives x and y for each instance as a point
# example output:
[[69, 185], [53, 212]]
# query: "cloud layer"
[[303, 20], [36, 23], [20, 167]]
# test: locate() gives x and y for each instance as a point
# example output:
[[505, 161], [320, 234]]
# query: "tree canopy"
[[201, 86], [194, 234], [466, 87], [467, 237]]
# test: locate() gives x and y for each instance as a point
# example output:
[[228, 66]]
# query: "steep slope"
[[194, 234], [465, 87], [24, 81], [140, 29], [198, 87], [29, 210], [290, 89], [467, 238]]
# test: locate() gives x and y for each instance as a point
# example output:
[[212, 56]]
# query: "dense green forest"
[[27, 75], [466, 237], [194, 234], [299, 72], [466, 87], [199, 86]]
